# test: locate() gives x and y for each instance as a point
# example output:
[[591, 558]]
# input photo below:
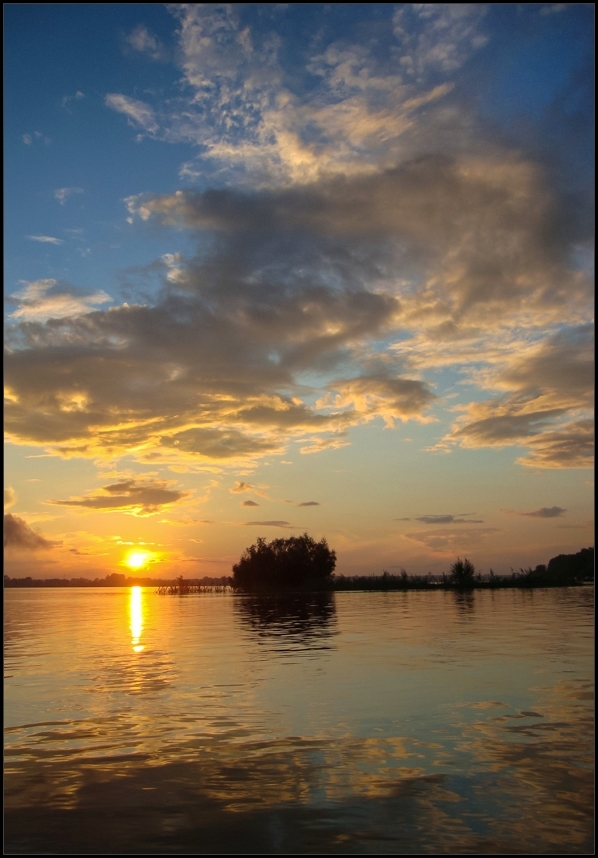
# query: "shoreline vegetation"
[[565, 570]]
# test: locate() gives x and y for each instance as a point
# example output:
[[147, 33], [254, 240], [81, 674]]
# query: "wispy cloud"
[[145, 42], [268, 524], [46, 239], [62, 194], [138, 112], [448, 519], [553, 8], [36, 137], [360, 111], [67, 99], [41, 300]]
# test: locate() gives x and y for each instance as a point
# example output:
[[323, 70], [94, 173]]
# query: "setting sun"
[[138, 559]]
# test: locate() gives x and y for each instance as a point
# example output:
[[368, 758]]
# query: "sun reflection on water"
[[136, 616]]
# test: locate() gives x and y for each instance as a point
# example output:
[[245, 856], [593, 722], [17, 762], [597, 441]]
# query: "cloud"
[[62, 194], [438, 37], [451, 541], [142, 40], [553, 8], [41, 300], [309, 503], [373, 234], [353, 111], [447, 519], [268, 524], [570, 445], [250, 503], [374, 395], [545, 512], [37, 136], [10, 497], [547, 407], [228, 338], [138, 112], [66, 99], [138, 497], [241, 486], [18, 535], [45, 239]]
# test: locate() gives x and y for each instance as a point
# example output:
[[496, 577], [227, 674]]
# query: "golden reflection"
[[136, 615]]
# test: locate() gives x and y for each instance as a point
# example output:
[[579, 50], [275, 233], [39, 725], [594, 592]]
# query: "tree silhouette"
[[463, 573], [288, 562]]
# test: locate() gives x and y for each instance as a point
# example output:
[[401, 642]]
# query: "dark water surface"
[[415, 722]]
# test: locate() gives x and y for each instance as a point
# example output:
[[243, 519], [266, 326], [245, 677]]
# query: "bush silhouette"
[[462, 573], [288, 562]]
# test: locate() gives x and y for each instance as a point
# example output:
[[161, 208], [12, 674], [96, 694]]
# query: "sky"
[[285, 268]]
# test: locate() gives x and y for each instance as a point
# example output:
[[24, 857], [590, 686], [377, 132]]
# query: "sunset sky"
[[277, 268]]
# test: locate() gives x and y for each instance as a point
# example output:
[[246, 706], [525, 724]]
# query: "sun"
[[138, 559]]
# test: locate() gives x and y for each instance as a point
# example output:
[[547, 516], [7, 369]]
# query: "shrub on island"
[[463, 573], [292, 562]]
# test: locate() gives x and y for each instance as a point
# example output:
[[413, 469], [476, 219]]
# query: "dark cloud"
[[548, 407], [217, 444], [309, 503], [268, 524], [378, 395], [310, 279], [451, 541], [18, 534], [241, 487], [142, 497], [506, 428], [250, 503], [546, 512], [561, 368], [568, 446], [448, 519]]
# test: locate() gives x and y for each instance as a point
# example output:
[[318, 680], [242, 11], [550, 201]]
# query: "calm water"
[[347, 723]]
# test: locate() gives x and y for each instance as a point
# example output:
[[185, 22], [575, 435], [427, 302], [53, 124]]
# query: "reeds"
[[184, 588]]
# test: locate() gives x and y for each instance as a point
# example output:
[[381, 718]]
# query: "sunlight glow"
[[138, 559], [136, 615]]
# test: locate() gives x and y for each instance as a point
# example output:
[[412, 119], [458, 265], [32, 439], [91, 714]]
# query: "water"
[[418, 722]]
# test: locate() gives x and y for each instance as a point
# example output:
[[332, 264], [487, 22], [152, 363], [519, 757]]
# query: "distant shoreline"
[[565, 570], [374, 583]]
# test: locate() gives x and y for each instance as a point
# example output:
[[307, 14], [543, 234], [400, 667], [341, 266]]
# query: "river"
[[399, 722]]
